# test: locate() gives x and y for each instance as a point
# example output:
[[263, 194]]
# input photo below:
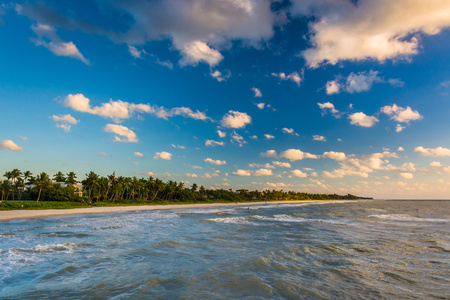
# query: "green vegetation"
[[65, 192]]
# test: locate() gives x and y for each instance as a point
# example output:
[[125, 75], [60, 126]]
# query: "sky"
[[317, 96]]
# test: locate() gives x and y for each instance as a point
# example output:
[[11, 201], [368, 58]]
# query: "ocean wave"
[[66, 247], [407, 218], [231, 220]]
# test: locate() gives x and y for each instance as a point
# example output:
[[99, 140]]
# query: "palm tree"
[[91, 181], [5, 187], [71, 178], [42, 180], [59, 177]]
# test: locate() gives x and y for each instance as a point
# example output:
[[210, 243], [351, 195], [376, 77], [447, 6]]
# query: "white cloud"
[[281, 164], [240, 172], [10, 145], [23, 138], [298, 173], [330, 107], [268, 136], [269, 153], [332, 87], [221, 134], [295, 76], [319, 138], [139, 155], [338, 156], [400, 114], [235, 119], [103, 154], [396, 82], [399, 128], [439, 151], [215, 162], [263, 172], [191, 175], [198, 51], [135, 52], [257, 92], [120, 110], [435, 165], [254, 137], [65, 119], [407, 175], [178, 146], [296, 154], [260, 105], [288, 130], [212, 143], [400, 149], [130, 136], [238, 138], [163, 155], [64, 126], [219, 77], [360, 119], [369, 29], [47, 37], [340, 173]]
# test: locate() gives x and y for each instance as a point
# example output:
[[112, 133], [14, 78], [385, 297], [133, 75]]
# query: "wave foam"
[[66, 247], [407, 218]]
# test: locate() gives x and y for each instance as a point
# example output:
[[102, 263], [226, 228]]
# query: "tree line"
[[20, 185]]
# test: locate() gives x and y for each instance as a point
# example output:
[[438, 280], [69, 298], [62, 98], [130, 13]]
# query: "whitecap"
[[407, 218]]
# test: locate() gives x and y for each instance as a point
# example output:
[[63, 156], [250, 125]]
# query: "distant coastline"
[[8, 215]]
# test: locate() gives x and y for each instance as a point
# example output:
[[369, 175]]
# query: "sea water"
[[319, 250]]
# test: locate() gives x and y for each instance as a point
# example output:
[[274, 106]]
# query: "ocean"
[[321, 250]]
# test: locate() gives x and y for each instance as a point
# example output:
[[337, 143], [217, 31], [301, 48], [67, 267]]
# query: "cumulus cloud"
[[221, 134], [355, 83], [400, 114], [65, 119], [260, 105], [212, 143], [178, 146], [219, 77], [10, 145], [298, 173], [296, 154], [238, 138], [399, 128], [196, 28], [139, 155], [269, 153], [235, 119], [295, 76], [400, 149], [361, 119], [338, 156], [435, 165], [328, 106], [257, 92], [319, 138], [369, 29], [120, 110], [407, 175], [129, 135], [281, 164], [439, 151], [215, 162], [47, 37], [332, 87], [263, 172], [64, 126], [268, 136], [244, 173], [163, 155]]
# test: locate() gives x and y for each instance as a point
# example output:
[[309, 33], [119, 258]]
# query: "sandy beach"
[[29, 214]]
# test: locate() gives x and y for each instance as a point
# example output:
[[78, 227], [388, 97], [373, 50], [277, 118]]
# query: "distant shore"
[[31, 214]]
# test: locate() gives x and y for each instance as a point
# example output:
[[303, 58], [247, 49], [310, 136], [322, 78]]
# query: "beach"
[[31, 214]]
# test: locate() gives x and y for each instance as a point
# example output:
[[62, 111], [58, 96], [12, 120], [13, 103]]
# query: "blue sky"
[[326, 96]]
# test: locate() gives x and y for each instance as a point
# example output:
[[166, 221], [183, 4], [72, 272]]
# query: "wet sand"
[[30, 214]]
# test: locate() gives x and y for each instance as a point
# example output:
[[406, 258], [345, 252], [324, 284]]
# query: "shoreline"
[[8, 215]]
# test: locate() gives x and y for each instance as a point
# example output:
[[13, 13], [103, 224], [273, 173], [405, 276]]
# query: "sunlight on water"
[[354, 250]]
